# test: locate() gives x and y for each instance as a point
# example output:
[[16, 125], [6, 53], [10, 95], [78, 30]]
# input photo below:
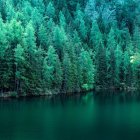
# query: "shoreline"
[[48, 94], [52, 93]]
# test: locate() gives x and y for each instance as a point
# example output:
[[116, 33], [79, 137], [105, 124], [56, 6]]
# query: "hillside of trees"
[[68, 45]]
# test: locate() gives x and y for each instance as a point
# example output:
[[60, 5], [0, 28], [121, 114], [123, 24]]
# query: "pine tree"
[[101, 66], [59, 38], [50, 10], [36, 18], [127, 69], [136, 38], [10, 11], [75, 67], [50, 31], [62, 20], [118, 67], [30, 40], [79, 15], [111, 62], [4, 73], [15, 33], [83, 30], [40, 54], [87, 70], [42, 36], [136, 69], [3, 39], [77, 42], [47, 75], [90, 10], [58, 74], [95, 35], [67, 74], [30, 47], [53, 66], [20, 61]]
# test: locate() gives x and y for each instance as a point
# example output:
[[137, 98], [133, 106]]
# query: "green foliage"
[[19, 57], [52, 70], [62, 20], [67, 74], [42, 36], [95, 35], [86, 70], [59, 38], [118, 66], [110, 55], [101, 65], [50, 10], [68, 46]]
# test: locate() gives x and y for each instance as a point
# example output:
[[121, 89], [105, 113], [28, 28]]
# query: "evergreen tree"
[[20, 60], [37, 19], [127, 69], [30, 47], [58, 74], [59, 38], [95, 36], [75, 68], [118, 67], [50, 10], [42, 36], [87, 70], [62, 19], [77, 42], [110, 55], [10, 11], [67, 74], [50, 31], [54, 69], [4, 75], [83, 30], [136, 38], [101, 65], [90, 10], [47, 75]]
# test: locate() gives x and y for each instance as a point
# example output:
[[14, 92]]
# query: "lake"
[[96, 116]]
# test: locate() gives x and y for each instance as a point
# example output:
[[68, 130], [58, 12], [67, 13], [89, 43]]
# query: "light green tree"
[[20, 60], [87, 70], [50, 10]]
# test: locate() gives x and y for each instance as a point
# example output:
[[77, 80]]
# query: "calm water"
[[96, 116]]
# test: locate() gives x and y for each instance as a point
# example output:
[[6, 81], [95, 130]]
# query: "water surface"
[[96, 116]]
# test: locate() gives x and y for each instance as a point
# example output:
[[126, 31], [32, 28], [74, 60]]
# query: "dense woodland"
[[66, 46]]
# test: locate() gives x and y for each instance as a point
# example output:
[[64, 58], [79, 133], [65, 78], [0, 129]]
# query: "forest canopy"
[[67, 46]]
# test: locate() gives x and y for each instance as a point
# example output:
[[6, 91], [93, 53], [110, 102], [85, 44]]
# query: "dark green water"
[[96, 116]]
